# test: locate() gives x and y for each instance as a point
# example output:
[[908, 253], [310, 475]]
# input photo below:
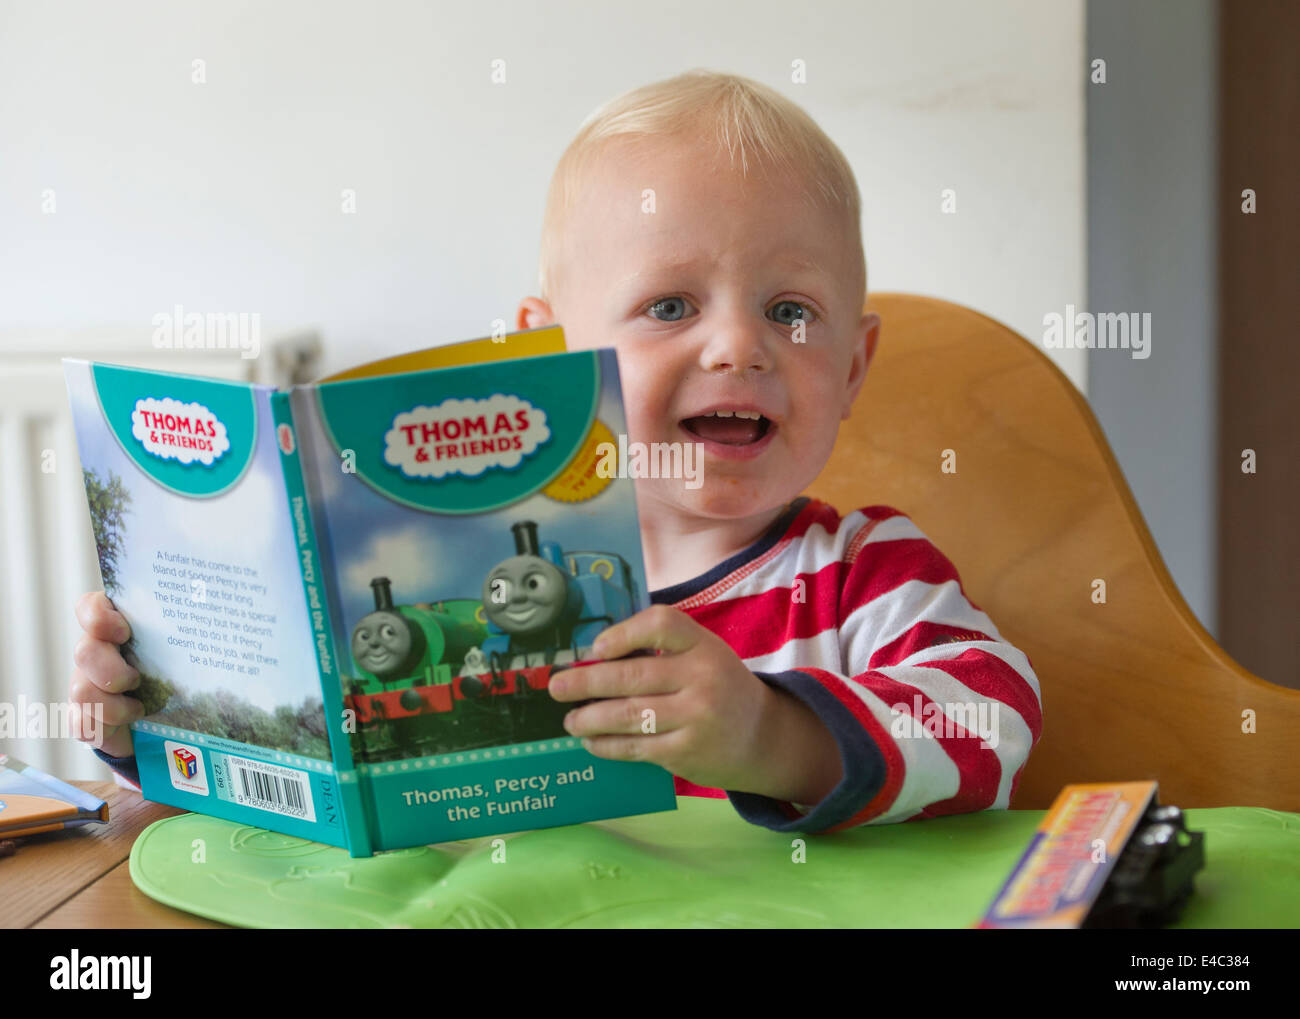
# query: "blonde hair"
[[753, 123]]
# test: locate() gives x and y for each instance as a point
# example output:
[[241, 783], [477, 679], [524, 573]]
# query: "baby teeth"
[[747, 414]]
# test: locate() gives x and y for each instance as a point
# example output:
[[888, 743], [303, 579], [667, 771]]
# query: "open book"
[[347, 600]]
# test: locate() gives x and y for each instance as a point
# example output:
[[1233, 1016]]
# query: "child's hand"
[[100, 676], [694, 709]]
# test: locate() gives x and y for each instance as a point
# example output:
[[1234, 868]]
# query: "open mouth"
[[729, 428]]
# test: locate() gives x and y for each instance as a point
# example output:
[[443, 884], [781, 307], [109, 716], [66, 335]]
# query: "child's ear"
[[533, 314], [864, 349]]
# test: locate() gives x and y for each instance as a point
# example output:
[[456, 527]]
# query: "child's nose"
[[736, 343]]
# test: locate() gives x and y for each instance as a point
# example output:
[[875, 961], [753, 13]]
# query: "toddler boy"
[[707, 229]]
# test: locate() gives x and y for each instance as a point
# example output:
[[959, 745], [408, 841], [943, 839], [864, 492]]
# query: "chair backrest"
[[1035, 517]]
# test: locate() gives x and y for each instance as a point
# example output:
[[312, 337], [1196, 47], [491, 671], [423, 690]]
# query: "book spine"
[[352, 796]]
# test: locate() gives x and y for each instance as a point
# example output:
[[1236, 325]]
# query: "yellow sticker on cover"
[[580, 480]]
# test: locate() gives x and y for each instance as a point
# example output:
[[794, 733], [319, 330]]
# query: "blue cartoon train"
[[461, 673]]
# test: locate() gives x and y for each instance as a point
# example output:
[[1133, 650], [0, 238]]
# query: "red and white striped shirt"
[[866, 622]]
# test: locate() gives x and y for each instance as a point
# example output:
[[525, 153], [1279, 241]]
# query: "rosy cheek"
[[639, 405]]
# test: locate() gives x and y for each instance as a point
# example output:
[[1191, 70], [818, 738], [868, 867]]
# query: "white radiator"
[[47, 550]]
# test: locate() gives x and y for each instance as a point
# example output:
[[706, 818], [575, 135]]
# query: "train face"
[[399, 646], [525, 594], [387, 646]]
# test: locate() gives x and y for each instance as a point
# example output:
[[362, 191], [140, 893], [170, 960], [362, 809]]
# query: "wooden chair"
[[1037, 510]]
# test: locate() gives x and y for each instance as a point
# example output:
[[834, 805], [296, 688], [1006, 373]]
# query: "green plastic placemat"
[[698, 866]]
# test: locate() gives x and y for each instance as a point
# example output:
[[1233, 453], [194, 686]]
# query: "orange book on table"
[[32, 801]]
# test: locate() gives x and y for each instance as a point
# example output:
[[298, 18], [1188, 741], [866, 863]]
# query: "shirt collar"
[[688, 588]]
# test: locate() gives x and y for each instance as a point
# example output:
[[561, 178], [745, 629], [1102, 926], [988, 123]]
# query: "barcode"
[[270, 787]]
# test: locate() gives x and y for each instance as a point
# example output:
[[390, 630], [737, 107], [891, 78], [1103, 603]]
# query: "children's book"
[[347, 600], [32, 801]]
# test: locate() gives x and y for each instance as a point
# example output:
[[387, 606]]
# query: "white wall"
[[225, 196]]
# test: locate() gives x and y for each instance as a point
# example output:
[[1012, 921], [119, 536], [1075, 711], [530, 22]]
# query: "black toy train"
[[464, 673]]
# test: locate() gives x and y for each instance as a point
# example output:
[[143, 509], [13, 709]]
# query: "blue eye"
[[792, 308], [673, 308]]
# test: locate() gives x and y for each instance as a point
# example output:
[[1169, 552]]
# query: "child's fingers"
[[660, 748], [100, 620], [105, 708], [103, 665], [639, 676], [118, 742], [641, 716], [100, 718], [658, 628], [114, 740]]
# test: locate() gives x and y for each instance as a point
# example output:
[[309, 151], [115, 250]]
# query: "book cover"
[[347, 600], [470, 549]]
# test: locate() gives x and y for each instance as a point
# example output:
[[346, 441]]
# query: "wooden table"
[[79, 878]]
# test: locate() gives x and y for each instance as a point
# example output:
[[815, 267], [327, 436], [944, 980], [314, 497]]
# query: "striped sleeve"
[[933, 712]]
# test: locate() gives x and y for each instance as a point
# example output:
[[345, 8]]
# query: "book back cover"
[[193, 534]]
